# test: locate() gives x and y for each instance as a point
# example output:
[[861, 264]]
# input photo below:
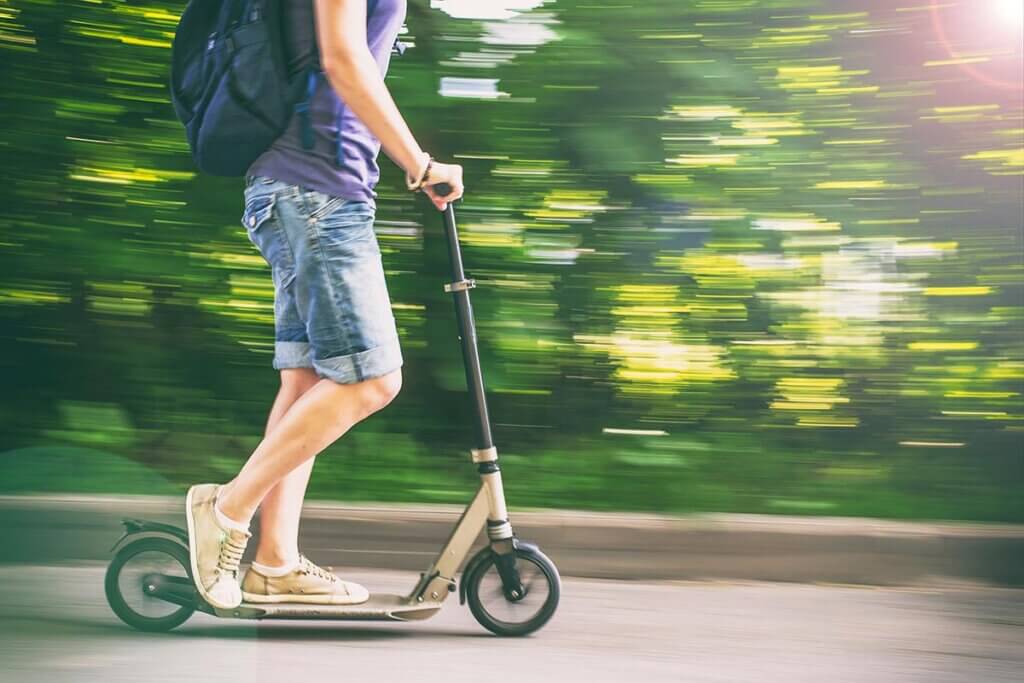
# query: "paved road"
[[55, 626]]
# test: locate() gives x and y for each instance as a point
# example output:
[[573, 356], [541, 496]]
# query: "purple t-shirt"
[[316, 169]]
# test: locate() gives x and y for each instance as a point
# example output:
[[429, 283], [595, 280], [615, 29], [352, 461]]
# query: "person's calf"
[[294, 383], [275, 555], [318, 419]]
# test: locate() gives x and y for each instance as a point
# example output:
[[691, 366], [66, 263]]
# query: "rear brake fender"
[[136, 529]]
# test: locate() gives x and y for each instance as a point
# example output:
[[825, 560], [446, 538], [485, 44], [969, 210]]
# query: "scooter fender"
[[481, 557], [471, 566], [137, 529]]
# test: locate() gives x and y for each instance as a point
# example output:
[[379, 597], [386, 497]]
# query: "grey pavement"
[[55, 627]]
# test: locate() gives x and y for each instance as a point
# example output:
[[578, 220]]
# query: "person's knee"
[[378, 392]]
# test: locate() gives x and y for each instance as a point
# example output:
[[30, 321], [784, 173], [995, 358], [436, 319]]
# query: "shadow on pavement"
[[228, 630], [305, 632]]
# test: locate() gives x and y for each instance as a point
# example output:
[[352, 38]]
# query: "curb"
[[63, 528]]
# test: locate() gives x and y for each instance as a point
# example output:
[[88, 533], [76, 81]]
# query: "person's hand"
[[449, 174]]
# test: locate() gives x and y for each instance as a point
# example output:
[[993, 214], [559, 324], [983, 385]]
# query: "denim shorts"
[[332, 312]]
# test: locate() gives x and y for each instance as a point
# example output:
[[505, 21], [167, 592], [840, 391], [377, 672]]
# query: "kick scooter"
[[512, 588]]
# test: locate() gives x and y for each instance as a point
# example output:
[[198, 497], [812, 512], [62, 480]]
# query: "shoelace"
[[230, 556], [307, 567]]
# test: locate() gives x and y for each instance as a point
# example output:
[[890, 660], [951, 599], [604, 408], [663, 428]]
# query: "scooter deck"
[[379, 607]]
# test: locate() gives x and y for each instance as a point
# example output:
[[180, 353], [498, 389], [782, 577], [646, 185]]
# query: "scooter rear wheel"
[[126, 593], [494, 610]]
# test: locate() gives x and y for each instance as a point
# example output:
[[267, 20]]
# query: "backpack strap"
[[230, 14], [313, 75], [302, 109]]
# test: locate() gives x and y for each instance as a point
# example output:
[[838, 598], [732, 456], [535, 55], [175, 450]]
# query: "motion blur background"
[[751, 256]]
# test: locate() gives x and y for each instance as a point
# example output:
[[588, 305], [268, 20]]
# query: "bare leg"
[[280, 513], [281, 510], [316, 419]]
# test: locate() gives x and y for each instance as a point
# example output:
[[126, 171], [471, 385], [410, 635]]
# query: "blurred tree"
[[757, 256]]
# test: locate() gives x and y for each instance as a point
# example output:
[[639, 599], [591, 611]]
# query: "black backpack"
[[232, 85], [229, 81]]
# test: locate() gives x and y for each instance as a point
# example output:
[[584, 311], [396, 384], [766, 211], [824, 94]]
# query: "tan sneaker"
[[307, 583], [215, 552]]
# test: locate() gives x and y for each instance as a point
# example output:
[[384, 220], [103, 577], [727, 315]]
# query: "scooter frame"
[[487, 510]]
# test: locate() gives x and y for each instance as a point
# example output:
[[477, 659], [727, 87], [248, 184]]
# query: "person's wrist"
[[415, 180]]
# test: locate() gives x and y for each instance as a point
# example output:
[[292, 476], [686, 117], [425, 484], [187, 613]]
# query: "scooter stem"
[[459, 288], [485, 455]]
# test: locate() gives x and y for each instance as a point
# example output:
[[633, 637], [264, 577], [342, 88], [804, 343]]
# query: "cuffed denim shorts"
[[332, 312]]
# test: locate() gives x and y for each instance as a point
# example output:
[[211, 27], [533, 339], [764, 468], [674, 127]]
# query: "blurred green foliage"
[[732, 256]]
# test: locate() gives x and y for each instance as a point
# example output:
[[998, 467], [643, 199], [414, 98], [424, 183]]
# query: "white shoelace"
[[307, 567], [230, 556]]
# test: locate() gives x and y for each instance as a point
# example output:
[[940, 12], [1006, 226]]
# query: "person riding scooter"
[[309, 210]]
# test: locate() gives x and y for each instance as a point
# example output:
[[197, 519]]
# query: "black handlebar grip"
[[442, 188]]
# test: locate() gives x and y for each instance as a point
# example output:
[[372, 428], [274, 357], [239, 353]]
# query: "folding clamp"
[[460, 285], [484, 454]]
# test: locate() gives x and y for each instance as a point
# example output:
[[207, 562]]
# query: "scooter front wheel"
[[498, 612], [126, 584]]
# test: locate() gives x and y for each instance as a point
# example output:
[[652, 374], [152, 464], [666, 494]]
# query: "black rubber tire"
[[502, 628], [112, 587]]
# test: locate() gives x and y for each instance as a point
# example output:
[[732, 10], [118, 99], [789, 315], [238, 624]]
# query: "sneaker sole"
[[192, 555], [258, 599]]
